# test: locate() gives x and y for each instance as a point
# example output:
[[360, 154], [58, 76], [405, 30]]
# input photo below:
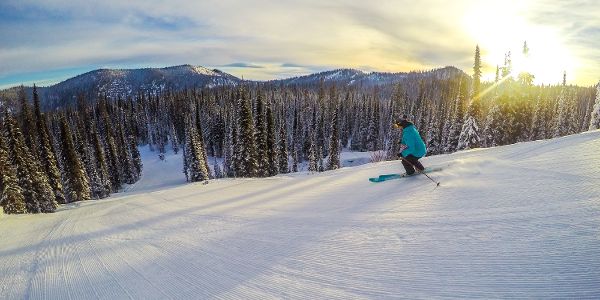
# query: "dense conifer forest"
[[90, 150]]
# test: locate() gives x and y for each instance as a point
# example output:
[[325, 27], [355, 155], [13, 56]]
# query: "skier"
[[412, 146]]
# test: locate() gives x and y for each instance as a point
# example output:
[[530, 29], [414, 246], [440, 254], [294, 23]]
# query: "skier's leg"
[[415, 161], [418, 164], [408, 167]]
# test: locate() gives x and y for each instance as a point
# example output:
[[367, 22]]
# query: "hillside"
[[129, 82], [518, 221], [353, 77]]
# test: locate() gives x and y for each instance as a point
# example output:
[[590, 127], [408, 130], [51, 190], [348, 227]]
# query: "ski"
[[386, 177]]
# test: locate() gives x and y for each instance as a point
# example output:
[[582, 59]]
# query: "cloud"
[[291, 65], [389, 35], [243, 65]]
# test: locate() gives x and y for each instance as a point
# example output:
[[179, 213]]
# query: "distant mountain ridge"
[[129, 82], [354, 77]]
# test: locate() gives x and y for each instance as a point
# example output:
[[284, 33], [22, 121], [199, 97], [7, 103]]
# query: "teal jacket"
[[412, 139]]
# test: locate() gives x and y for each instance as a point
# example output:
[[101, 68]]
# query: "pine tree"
[[173, 138], [28, 128], [38, 193], [334, 143], [561, 123], [136, 158], [112, 156], [218, 171], [89, 160], [538, 124], [11, 195], [75, 179], [433, 141], [262, 146], [230, 141], [492, 133], [295, 161], [282, 150], [102, 187], [457, 120], [477, 74], [313, 160], [321, 166], [129, 172], [595, 118], [373, 128], [194, 160], [186, 159], [47, 154], [497, 78], [271, 144], [393, 144], [246, 140], [237, 163], [320, 133], [200, 140], [469, 136]]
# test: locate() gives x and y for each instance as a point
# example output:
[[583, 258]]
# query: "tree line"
[[89, 150], [78, 154]]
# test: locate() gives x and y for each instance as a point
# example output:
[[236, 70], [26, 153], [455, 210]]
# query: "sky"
[[46, 41]]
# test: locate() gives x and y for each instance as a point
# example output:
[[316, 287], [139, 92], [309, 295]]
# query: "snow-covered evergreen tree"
[[538, 124], [46, 153], [334, 143], [194, 159], [11, 195], [321, 165], [283, 150], [262, 147], [456, 124], [313, 160], [295, 161], [393, 144], [135, 156], [89, 160], [38, 194], [373, 128], [561, 123], [125, 159], [492, 133], [200, 139], [476, 74], [433, 140], [595, 117], [112, 156], [102, 187], [76, 182], [469, 136], [246, 139], [27, 122], [174, 139], [271, 143], [217, 170]]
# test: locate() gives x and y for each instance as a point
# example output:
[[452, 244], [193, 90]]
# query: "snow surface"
[[519, 221]]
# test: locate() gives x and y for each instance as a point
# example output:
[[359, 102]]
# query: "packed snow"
[[518, 221]]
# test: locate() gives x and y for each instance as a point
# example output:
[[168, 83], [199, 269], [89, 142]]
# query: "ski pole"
[[420, 171]]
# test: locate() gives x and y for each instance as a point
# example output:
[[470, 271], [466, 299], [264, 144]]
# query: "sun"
[[499, 27]]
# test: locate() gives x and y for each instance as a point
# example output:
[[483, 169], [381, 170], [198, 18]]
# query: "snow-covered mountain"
[[128, 82], [353, 77], [123, 83], [517, 221]]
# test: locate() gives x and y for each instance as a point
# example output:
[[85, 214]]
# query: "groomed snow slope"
[[519, 221]]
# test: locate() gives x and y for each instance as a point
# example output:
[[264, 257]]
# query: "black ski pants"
[[409, 161]]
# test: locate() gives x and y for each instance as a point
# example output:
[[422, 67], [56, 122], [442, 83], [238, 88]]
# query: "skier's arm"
[[410, 142]]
